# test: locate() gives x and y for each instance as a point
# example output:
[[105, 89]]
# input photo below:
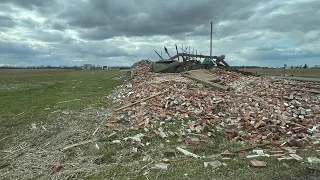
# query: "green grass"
[[36, 90], [194, 169]]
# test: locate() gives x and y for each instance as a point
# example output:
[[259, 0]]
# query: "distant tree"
[[305, 66]]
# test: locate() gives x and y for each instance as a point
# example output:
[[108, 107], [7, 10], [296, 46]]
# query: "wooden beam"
[[140, 101]]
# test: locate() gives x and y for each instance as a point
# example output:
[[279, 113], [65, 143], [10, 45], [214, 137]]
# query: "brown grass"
[[279, 72]]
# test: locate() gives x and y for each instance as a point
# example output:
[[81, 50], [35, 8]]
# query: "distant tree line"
[[305, 66], [93, 67], [39, 67]]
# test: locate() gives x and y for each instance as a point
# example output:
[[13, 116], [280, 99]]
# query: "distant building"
[[87, 66], [105, 67]]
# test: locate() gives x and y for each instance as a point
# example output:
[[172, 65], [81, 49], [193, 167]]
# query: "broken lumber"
[[140, 101], [144, 167], [245, 148], [207, 83], [257, 163], [77, 144], [187, 153], [95, 131]]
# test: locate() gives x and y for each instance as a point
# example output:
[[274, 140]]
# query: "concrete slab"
[[205, 80], [203, 75]]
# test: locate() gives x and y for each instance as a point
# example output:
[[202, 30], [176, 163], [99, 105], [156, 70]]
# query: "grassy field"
[[68, 105], [28, 96], [280, 72]]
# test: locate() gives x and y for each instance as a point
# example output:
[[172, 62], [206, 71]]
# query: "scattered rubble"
[[214, 164], [56, 168], [187, 153], [257, 163], [257, 111], [314, 160], [37, 151]]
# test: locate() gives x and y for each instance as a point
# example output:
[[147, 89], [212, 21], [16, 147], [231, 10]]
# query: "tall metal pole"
[[196, 54], [158, 55], [177, 53], [189, 53], [211, 40]]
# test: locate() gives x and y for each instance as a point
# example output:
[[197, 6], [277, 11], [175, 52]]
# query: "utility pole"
[[211, 40], [189, 53]]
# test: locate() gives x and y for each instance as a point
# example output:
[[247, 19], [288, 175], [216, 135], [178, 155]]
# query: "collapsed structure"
[[185, 61], [254, 110]]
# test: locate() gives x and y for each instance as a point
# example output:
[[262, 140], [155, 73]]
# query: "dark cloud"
[[124, 31], [29, 4], [58, 26], [15, 48], [106, 19], [6, 22], [278, 54]]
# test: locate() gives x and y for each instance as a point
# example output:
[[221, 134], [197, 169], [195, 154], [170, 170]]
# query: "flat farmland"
[[44, 110], [280, 72]]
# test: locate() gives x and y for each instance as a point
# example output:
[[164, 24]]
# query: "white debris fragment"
[[33, 126], [116, 142], [313, 160], [214, 164], [161, 166], [187, 153]]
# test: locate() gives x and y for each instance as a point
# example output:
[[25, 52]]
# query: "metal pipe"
[[177, 52], [158, 54], [211, 39], [166, 50]]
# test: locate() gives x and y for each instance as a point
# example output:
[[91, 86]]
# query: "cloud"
[[6, 22], [108, 32]]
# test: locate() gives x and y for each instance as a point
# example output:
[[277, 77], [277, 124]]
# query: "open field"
[[42, 112], [280, 72], [27, 96]]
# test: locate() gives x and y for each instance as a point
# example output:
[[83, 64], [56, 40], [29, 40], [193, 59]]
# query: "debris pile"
[[255, 112]]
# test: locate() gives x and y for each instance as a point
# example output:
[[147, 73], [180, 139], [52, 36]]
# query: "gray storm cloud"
[[107, 32]]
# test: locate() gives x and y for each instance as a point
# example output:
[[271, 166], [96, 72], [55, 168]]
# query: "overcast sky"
[[121, 32]]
